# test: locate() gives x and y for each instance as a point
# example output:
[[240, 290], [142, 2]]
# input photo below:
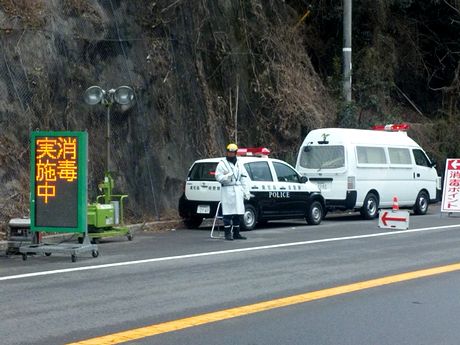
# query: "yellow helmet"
[[232, 147]]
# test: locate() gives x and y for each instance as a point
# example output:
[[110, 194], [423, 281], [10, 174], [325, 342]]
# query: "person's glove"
[[228, 177], [247, 195]]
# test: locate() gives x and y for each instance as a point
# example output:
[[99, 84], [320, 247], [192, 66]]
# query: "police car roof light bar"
[[397, 127], [253, 151]]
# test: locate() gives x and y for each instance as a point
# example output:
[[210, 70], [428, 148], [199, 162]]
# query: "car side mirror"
[[303, 179]]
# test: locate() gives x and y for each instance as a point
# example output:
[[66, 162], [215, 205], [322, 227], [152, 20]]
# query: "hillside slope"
[[194, 66]]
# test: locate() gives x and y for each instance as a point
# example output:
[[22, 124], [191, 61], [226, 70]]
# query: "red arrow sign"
[[453, 164], [394, 219]]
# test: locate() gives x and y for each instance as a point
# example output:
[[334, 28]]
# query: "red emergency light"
[[396, 127], [253, 151]]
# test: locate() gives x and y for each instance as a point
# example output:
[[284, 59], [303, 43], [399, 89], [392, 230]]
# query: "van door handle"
[[254, 187], [283, 188]]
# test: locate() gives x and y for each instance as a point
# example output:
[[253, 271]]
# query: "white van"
[[364, 169]]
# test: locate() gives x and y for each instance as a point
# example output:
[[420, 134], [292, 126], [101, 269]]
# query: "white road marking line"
[[230, 251]]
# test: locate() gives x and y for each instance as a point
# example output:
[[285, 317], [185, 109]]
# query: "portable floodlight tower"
[[105, 218]]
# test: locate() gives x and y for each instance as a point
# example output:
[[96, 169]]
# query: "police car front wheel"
[[314, 213], [249, 219]]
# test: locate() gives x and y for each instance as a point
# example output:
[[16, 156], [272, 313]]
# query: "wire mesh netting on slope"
[[193, 67]]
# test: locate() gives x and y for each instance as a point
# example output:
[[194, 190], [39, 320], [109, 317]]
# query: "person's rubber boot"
[[228, 233], [236, 233]]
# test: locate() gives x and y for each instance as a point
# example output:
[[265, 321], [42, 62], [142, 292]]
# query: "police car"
[[279, 191]]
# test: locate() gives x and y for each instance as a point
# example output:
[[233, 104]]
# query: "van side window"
[[259, 171], [371, 155], [399, 155], [285, 173], [421, 158]]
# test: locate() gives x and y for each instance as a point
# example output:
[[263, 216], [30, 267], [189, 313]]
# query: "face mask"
[[231, 159]]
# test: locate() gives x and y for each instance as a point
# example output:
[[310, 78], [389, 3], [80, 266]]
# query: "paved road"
[[166, 276]]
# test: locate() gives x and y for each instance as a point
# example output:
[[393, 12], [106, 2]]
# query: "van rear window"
[[322, 157], [203, 172]]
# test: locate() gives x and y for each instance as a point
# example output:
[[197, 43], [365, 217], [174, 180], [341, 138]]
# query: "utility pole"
[[347, 50], [236, 107]]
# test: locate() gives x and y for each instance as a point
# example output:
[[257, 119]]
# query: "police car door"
[[260, 186], [291, 195]]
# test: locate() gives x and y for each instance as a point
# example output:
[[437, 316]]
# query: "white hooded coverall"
[[233, 179]]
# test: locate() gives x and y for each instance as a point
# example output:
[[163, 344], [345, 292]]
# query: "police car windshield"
[[203, 172], [322, 157]]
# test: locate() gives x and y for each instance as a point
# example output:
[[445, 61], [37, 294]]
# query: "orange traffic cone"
[[395, 206]]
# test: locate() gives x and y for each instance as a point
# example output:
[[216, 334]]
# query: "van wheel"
[[421, 203], [370, 207], [193, 223], [314, 213], [249, 218]]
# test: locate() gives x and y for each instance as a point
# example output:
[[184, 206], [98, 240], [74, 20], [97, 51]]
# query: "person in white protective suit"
[[233, 178]]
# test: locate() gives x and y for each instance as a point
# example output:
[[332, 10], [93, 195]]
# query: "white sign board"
[[451, 191], [394, 219]]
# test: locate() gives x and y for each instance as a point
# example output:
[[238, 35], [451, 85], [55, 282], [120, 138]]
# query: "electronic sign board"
[[58, 181]]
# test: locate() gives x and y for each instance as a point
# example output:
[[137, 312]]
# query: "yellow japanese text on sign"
[[55, 160]]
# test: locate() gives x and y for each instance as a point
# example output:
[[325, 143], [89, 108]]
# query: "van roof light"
[[392, 127], [253, 151]]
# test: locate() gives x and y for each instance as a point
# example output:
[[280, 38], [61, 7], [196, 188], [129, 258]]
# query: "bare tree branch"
[[452, 7]]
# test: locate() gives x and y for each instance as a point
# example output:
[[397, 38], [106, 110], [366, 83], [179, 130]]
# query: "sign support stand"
[[74, 249], [59, 192]]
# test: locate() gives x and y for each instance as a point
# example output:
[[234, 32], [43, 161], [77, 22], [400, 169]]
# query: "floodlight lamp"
[[94, 95], [124, 95]]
